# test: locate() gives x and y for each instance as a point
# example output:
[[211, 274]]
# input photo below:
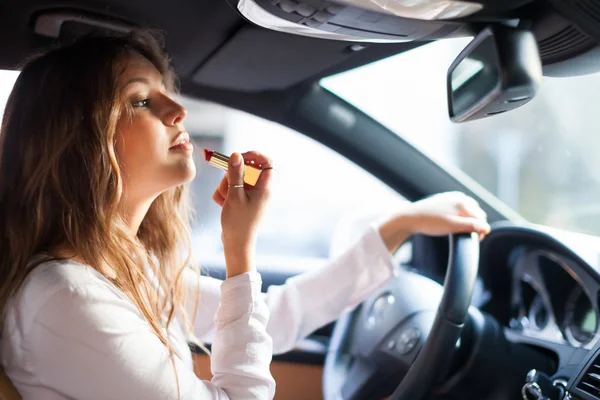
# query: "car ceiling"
[[207, 40], [219, 55]]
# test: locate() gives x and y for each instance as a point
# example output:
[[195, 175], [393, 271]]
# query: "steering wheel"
[[407, 330]]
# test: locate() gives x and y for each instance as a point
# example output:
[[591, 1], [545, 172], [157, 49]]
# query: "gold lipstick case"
[[251, 174]]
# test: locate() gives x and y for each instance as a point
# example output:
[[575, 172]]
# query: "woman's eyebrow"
[[142, 80], [136, 80]]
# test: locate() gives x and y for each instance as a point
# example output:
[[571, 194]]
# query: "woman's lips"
[[182, 142], [186, 145]]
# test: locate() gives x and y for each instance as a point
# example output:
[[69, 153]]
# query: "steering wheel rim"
[[427, 366]]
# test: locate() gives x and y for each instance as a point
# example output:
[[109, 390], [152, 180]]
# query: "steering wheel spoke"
[[362, 376]]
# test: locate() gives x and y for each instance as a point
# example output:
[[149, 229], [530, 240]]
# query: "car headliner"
[[198, 33], [216, 52]]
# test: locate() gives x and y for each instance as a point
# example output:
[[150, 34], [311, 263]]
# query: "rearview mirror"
[[499, 70]]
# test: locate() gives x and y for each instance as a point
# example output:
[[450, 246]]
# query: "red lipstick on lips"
[[219, 160]]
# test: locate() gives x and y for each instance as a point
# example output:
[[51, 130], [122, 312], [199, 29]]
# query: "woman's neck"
[[134, 212]]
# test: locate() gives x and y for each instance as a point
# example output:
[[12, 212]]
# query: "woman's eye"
[[141, 103]]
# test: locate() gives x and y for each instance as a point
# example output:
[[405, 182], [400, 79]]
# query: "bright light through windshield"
[[542, 159], [7, 81]]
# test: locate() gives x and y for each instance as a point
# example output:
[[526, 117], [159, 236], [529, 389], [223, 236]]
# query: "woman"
[[96, 298]]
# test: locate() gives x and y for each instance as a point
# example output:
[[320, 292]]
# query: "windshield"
[[541, 159]]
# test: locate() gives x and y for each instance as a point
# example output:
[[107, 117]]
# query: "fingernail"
[[236, 160]]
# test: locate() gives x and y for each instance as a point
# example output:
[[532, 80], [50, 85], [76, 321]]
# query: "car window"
[[320, 204], [7, 81], [540, 159]]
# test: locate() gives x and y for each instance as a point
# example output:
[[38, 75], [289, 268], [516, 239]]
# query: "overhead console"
[[371, 20]]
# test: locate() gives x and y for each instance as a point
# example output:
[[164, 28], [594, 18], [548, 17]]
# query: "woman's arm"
[[309, 300], [89, 343], [313, 299]]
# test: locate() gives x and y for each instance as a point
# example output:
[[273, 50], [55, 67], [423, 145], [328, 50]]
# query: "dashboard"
[[549, 284], [552, 299]]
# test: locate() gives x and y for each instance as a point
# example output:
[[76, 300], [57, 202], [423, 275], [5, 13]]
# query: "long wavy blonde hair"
[[61, 184]]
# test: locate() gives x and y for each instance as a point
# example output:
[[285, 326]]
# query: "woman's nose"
[[175, 114]]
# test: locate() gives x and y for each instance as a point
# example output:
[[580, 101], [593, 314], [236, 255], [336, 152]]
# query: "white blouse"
[[71, 334]]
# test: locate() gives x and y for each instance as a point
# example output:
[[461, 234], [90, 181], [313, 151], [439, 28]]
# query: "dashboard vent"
[[590, 383]]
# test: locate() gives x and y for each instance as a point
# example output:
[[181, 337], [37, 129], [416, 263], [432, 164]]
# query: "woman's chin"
[[180, 177], [188, 175]]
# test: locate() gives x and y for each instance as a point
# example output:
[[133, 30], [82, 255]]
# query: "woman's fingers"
[[469, 207], [235, 176], [258, 160], [262, 162], [252, 158], [469, 224], [218, 198], [223, 187]]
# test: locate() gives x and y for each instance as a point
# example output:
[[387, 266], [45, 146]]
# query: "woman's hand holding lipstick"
[[243, 207]]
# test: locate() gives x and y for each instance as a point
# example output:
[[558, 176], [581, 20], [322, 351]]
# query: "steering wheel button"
[[408, 340], [391, 344]]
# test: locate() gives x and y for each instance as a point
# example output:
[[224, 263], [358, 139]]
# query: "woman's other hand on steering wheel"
[[438, 215]]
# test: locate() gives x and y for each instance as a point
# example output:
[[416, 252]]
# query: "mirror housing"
[[498, 71]]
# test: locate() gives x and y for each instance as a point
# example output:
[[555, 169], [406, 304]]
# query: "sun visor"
[[256, 59], [378, 21], [245, 63]]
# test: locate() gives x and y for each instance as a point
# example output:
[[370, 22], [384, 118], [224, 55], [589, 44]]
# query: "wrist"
[[396, 230], [239, 261]]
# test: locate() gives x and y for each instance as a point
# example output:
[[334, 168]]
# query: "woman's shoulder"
[[50, 278]]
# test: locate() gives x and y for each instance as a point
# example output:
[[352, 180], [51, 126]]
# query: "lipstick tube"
[[221, 161]]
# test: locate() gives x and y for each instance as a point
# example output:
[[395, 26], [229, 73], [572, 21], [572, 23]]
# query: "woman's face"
[[152, 146]]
